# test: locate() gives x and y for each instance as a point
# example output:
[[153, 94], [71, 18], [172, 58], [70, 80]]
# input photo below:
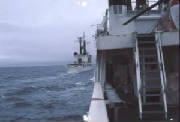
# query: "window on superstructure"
[[117, 9], [142, 4], [117, 2], [151, 2]]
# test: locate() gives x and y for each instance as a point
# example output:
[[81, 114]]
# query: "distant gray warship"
[[82, 60]]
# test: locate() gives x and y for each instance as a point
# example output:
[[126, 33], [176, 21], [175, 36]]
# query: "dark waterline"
[[44, 94]]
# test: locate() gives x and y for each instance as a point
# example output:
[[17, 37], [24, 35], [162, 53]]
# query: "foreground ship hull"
[[137, 73]]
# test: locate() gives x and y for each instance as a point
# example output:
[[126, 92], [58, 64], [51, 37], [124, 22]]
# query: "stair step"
[[153, 107], [153, 112], [150, 63], [147, 56], [152, 103], [150, 74], [153, 78], [150, 71], [145, 87], [152, 90], [149, 35], [146, 42], [155, 70], [151, 95], [146, 48]]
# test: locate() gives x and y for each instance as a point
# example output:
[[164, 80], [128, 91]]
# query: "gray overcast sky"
[[33, 31]]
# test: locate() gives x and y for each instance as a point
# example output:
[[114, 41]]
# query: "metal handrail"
[[162, 59], [138, 76], [103, 26], [165, 80], [162, 70]]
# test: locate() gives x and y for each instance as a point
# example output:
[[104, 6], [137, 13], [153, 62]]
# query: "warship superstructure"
[[137, 67], [82, 60]]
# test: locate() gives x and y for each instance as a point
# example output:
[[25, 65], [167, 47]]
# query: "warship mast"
[[84, 44], [80, 45]]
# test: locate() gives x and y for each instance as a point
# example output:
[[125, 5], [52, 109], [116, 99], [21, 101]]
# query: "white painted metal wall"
[[143, 24], [116, 21], [146, 24], [115, 42], [128, 41]]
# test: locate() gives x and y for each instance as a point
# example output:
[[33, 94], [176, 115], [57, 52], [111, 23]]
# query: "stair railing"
[[138, 78], [162, 70]]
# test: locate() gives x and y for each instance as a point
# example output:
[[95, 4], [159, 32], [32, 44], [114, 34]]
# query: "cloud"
[[45, 30]]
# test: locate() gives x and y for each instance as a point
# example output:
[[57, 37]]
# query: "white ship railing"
[[102, 29], [138, 76], [97, 109], [162, 70]]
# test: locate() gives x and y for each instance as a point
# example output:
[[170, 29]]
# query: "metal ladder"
[[151, 78]]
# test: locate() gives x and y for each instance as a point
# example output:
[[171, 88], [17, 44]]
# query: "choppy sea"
[[44, 94]]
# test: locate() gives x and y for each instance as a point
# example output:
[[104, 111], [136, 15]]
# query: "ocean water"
[[44, 94]]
